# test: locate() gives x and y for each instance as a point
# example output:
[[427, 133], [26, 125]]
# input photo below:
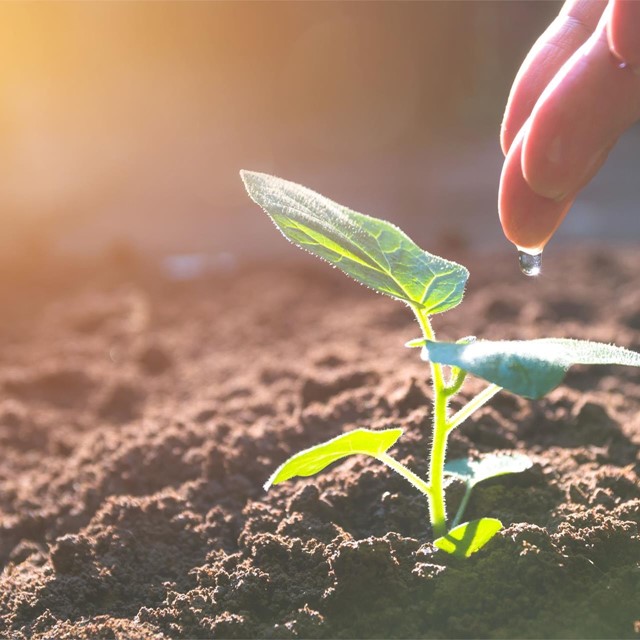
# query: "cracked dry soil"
[[139, 419]]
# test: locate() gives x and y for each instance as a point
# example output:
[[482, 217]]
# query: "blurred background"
[[124, 125]]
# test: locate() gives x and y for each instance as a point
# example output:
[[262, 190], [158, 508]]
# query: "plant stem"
[[437, 508], [436, 460], [474, 404], [407, 474], [463, 505], [442, 426]]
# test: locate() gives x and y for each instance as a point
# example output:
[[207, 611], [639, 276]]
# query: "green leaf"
[[469, 537], [373, 252], [315, 459], [474, 471], [529, 368]]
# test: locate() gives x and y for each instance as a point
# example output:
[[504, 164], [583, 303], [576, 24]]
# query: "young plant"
[[382, 257]]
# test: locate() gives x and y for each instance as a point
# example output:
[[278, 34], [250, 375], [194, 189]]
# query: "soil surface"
[[140, 417]]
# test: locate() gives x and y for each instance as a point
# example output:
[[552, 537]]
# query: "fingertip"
[[528, 219]]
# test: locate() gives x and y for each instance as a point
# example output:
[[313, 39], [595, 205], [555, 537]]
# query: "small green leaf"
[[469, 537], [529, 368], [315, 459], [373, 252], [474, 471]]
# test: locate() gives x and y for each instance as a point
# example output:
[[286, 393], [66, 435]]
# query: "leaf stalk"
[[468, 487], [406, 473], [473, 405]]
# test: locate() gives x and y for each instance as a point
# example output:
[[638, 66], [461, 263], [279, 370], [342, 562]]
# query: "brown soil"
[[139, 419]]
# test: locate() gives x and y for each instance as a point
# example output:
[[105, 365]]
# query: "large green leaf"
[[474, 471], [529, 368], [315, 459], [374, 252], [469, 537]]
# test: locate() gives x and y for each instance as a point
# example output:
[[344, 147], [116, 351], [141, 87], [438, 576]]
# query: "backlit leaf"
[[315, 459], [474, 471], [469, 537], [530, 368], [373, 252]]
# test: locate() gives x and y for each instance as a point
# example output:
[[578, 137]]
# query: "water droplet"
[[530, 263]]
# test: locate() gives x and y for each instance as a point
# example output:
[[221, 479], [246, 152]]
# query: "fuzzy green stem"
[[437, 508], [436, 460], [442, 426]]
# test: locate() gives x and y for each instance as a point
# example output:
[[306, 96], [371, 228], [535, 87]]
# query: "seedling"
[[379, 255]]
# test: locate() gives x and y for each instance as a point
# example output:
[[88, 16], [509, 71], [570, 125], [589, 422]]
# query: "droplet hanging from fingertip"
[[530, 263]]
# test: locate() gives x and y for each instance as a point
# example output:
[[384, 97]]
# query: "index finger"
[[568, 32]]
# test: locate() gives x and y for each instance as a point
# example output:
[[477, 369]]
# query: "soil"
[[140, 417]]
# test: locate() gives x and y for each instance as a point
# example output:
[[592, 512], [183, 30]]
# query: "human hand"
[[576, 92]]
